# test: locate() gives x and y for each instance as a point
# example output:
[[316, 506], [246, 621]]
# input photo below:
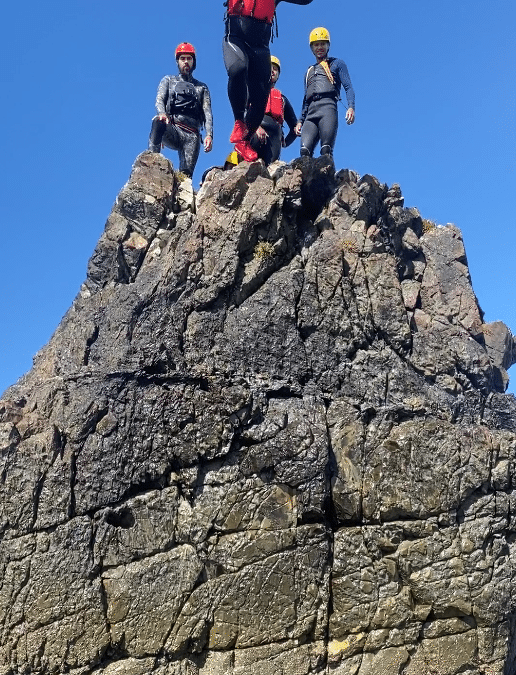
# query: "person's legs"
[[259, 147], [189, 152], [172, 137], [258, 86], [275, 148], [270, 150], [237, 63], [309, 138], [328, 125], [156, 134], [186, 143]]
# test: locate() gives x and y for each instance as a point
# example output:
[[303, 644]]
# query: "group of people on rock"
[[184, 105]]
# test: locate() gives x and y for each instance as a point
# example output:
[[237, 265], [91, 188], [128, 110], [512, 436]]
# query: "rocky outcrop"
[[270, 436]]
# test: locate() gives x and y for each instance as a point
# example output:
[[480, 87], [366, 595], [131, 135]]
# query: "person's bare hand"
[[297, 128], [262, 135], [350, 116], [208, 144]]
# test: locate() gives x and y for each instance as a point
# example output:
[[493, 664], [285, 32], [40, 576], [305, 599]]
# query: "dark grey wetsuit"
[[248, 63], [187, 104], [319, 115]]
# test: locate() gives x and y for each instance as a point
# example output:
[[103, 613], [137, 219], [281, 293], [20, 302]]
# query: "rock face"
[[269, 437]]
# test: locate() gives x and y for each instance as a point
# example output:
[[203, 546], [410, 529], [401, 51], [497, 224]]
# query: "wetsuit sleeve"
[[345, 80], [206, 107], [291, 120], [304, 107], [162, 96]]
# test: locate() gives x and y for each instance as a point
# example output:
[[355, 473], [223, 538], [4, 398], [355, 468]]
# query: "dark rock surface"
[[269, 437]]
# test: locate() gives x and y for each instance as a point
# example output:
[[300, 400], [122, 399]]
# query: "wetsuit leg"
[[328, 125], [187, 143], [309, 138], [268, 151], [247, 60], [171, 137], [189, 152], [156, 134], [259, 147], [275, 146], [237, 62], [258, 86], [271, 149], [322, 123]]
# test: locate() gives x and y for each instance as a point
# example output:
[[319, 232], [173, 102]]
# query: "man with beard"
[[247, 60], [184, 107]]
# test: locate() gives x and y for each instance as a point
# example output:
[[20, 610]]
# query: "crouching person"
[[268, 139]]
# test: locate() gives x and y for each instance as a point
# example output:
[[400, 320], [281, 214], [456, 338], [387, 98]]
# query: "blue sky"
[[436, 97]]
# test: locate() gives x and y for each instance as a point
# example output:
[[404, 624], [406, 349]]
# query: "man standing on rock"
[[323, 81], [184, 107], [247, 60]]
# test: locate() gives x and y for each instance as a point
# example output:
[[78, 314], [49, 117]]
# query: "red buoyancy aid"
[[274, 106], [258, 9]]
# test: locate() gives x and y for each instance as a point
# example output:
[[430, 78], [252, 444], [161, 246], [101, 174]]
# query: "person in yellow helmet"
[[323, 82], [268, 138]]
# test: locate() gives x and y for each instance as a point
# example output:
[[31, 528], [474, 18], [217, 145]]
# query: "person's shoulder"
[[198, 83], [335, 61]]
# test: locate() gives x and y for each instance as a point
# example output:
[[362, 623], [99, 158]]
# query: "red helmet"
[[186, 48]]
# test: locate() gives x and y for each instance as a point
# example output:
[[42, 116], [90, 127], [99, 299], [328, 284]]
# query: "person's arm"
[[162, 96], [208, 118], [291, 120], [345, 80], [304, 107]]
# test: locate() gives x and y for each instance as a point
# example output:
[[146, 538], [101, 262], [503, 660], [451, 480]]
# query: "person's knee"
[[158, 125], [237, 69]]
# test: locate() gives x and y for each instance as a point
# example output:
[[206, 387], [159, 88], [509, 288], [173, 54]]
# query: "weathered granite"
[[269, 437]]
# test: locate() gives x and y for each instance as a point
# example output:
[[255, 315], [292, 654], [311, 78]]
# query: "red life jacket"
[[274, 106], [258, 9]]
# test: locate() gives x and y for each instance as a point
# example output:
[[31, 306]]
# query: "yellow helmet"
[[276, 61], [233, 158], [319, 34]]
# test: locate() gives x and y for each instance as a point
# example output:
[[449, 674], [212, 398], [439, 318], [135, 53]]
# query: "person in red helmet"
[[247, 60], [184, 107]]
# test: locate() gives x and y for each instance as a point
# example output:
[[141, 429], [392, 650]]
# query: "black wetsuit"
[[187, 104], [248, 63], [319, 115], [271, 149]]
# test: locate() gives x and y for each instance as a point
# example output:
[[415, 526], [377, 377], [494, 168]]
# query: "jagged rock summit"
[[269, 437]]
